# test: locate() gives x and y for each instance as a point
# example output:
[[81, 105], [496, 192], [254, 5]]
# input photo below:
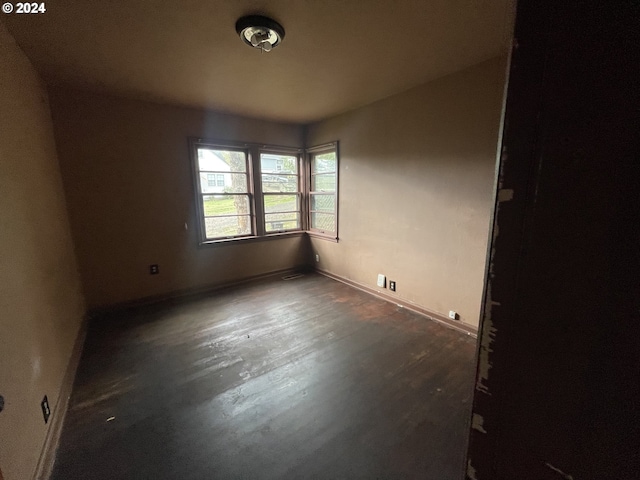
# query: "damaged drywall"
[[477, 423], [488, 330], [487, 338], [471, 472]]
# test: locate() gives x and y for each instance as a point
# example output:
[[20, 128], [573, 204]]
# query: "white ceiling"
[[337, 54]]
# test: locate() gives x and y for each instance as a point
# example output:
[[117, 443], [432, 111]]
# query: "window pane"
[[279, 183], [325, 182], [323, 203], [275, 163], [323, 221], [225, 205], [282, 221], [223, 182], [221, 160], [323, 163], [280, 203], [227, 226]]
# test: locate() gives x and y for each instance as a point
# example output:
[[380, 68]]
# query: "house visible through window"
[[215, 180]]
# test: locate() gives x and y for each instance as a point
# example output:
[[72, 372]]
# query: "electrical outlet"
[[453, 315], [382, 280], [45, 409], [317, 258], [154, 269], [392, 285]]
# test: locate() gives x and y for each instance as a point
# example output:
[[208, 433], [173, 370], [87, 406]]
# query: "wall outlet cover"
[[392, 285], [154, 269], [382, 280], [453, 315]]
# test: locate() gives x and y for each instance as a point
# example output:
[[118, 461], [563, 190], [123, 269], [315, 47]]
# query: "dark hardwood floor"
[[305, 378]]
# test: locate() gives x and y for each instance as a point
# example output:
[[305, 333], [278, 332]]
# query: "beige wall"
[[416, 183], [127, 176], [41, 306]]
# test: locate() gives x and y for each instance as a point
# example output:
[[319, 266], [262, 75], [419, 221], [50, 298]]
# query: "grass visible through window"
[[225, 206]]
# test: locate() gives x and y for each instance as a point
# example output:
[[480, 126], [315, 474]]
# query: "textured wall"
[[416, 189], [41, 305], [128, 180]]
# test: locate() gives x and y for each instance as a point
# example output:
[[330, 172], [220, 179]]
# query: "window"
[[215, 180], [224, 199], [248, 191], [323, 190], [281, 192]]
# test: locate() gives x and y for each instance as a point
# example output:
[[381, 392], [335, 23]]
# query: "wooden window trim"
[[254, 187], [310, 153], [197, 144], [299, 192], [251, 239]]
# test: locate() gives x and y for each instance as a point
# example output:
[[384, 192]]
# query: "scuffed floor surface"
[[298, 379]]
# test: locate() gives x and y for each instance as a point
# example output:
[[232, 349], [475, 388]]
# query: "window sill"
[[322, 236], [253, 239]]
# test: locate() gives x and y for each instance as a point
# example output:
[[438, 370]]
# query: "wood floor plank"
[[307, 378]]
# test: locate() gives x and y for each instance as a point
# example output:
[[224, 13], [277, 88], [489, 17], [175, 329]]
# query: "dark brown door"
[[558, 384]]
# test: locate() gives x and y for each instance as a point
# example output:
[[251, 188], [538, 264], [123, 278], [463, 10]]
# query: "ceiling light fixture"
[[260, 32]]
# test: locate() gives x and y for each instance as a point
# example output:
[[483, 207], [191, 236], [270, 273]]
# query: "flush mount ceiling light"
[[260, 32]]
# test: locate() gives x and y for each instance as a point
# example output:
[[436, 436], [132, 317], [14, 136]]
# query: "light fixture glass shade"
[[260, 32]]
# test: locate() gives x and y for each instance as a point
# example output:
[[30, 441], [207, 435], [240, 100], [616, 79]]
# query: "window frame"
[[299, 192], [254, 190], [211, 179], [214, 179], [197, 144], [311, 153]]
